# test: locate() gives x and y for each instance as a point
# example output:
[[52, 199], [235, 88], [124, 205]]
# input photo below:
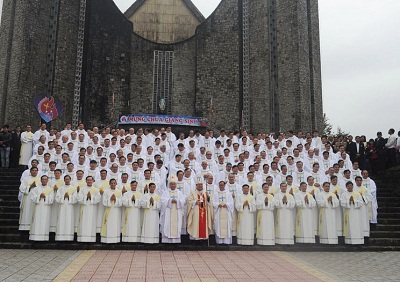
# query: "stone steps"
[[9, 221], [9, 203], [387, 215], [377, 245], [389, 221], [384, 236], [385, 227], [385, 241], [10, 215], [4, 229], [389, 209]]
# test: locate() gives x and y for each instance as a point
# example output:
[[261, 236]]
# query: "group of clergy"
[[272, 191]]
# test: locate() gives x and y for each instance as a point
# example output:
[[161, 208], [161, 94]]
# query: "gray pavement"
[[45, 265], [33, 265], [349, 266]]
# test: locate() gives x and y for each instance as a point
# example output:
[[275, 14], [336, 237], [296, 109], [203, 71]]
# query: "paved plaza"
[[58, 265]]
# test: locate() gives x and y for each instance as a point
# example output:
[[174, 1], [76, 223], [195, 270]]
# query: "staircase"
[[385, 236], [9, 205], [387, 231]]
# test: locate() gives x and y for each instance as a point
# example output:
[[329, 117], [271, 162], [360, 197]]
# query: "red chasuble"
[[202, 216]]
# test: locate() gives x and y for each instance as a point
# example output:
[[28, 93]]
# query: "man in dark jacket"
[[15, 147], [351, 149], [381, 151], [5, 146], [360, 155]]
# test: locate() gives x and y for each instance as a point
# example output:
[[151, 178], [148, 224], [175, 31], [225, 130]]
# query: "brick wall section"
[[287, 63], [28, 68], [218, 61], [142, 74], [259, 66], [184, 89], [65, 59], [304, 117], [107, 65], [184, 75], [316, 68], [294, 66], [6, 34]]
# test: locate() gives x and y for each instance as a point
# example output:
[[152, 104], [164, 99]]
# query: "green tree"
[[340, 131], [327, 127]]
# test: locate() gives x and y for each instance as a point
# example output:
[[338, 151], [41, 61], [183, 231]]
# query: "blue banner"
[[161, 119]]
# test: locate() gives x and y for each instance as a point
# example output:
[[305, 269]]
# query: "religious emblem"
[[162, 104], [48, 107]]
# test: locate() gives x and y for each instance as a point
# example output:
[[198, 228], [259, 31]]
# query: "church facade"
[[252, 64]]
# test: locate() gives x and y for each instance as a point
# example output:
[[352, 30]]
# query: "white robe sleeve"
[[180, 204], [216, 201], [73, 199], [358, 203], [230, 205], [49, 199], [321, 201], [24, 187], [299, 201], [165, 201], [96, 198], [252, 205], [127, 200], [367, 197], [260, 203], [335, 202], [156, 205], [239, 204], [35, 196], [60, 196], [106, 199], [80, 197], [291, 204]]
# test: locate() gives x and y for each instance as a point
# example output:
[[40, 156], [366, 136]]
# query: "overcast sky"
[[360, 48]]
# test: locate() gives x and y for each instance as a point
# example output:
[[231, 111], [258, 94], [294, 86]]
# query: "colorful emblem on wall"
[[49, 108]]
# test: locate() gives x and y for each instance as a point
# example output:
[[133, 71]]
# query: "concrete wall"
[[27, 70], [218, 66], [107, 69], [315, 71], [184, 75], [6, 37], [295, 66], [259, 66], [65, 59]]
